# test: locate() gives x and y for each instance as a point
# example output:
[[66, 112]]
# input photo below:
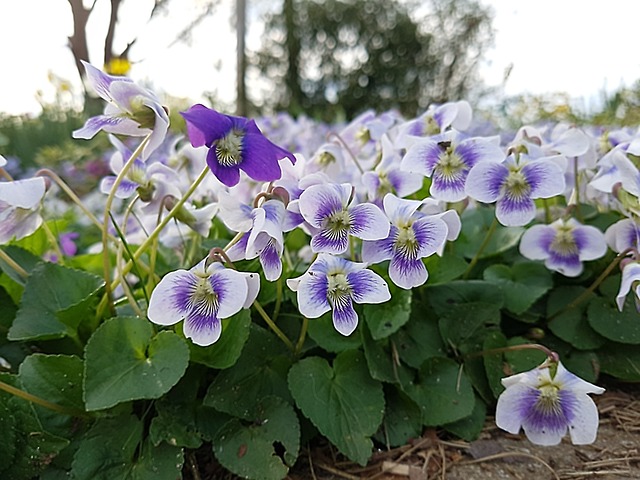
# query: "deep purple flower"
[[202, 297], [547, 401], [334, 283], [235, 143]]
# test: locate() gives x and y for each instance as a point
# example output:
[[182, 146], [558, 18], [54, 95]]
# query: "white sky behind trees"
[[574, 46]]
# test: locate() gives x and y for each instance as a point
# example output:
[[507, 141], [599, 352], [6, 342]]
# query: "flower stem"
[[551, 355], [4, 256], [40, 401], [302, 337], [106, 260], [346, 147], [273, 326], [596, 283], [483, 245], [151, 238]]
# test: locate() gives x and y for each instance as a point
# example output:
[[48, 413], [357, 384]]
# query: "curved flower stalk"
[[334, 283], [235, 143], [546, 402], [202, 296], [447, 159], [515, 184], [563, 245], [131, 110], [413, 236], [326, 208], [20, 202]]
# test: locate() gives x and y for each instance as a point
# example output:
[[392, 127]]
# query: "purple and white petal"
[[368, 222], [202, 327], [589, 240], [231, 290], [514, 211], [430, 234], [630, 275], [407, 272], [172, 299], [545, 178], [480, 149], [376, 251], [623, 234], [318, 202], [345, 318], [485, 181], [126, 188], [330, 241], [368, 287], [25, 193], [100, 81], [422, 157], [536, 241], [270, 260], [449, 188], [312, 295], [509, 412], [568, 264], [399, 209]]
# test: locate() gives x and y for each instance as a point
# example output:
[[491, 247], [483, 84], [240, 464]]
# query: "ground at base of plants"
[[495, 455]]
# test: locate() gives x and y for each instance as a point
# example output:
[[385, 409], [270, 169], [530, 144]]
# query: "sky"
[[574, 46]]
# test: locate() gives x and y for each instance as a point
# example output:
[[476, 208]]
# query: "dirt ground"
[[497, 455]]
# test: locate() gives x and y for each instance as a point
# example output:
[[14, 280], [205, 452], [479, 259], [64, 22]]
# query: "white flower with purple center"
[[334, 283], [202, 296], [447, 160], [545, 403], [412, 237], [20, 208], [563, 245], [439, 118], [326, 208], [514, 185], [132, 110], [630, 281]]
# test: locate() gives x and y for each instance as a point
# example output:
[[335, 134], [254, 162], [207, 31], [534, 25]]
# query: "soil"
[[495, 455]]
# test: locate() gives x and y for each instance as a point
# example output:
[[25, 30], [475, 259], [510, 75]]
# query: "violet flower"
[[202, 296], [235, 143], [20, 208], [546, 402], [334, 283]]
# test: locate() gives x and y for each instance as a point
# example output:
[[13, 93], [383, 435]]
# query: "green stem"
[[346, 147], [596, 283], [42, 402], [273, 326], [54, 242], [12, 263], [303, 336], [483, 245], [106, 260], [152, 236], [551, 355], [276, 308]]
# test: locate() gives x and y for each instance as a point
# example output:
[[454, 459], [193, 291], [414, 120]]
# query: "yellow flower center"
[[229, 149], [564, 243]]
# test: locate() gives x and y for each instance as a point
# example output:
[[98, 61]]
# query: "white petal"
[[508, 409], [170, 300], [584, 426], [630, 274], [23, 193]]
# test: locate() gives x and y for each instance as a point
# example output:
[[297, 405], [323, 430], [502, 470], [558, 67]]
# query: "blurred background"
[[516, 61]]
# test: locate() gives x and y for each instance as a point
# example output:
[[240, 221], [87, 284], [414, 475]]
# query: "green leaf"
[[9, 430], [523, 360], [476, 223], [107, 449], [58, 379], [608, 321], [253, 450], [260, 371], [387, 318], [27, 260], [443, 297], [322, 331], [444, 268], [419, 339], [125, 361], [442, 391], [402, 419], [462, 321], [174, 424], [494, 362], [571, 325], [469, 428], [55, 300], [620, 361], [162, 462], [522, 284], [383, 365], [343, 402], [586, 365], [226, 351], [33, 448]]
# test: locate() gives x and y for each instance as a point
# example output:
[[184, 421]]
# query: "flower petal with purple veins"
[[368, 222], [407, 272], [449, 188], [514, 211], [422, 157], [368, 287], [330, 241], [485, 181], [202, 328], [270, 261], [318, 202], [230, 289], [567, 264], [536, 241], [589, 240], [545, 178], [376, 251], [312, 295], [171, 300], [117, 125], [345, 318], [101, 81], [430, 234], [124, 190]]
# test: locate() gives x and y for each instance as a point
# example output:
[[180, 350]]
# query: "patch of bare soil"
[[497, 455]]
